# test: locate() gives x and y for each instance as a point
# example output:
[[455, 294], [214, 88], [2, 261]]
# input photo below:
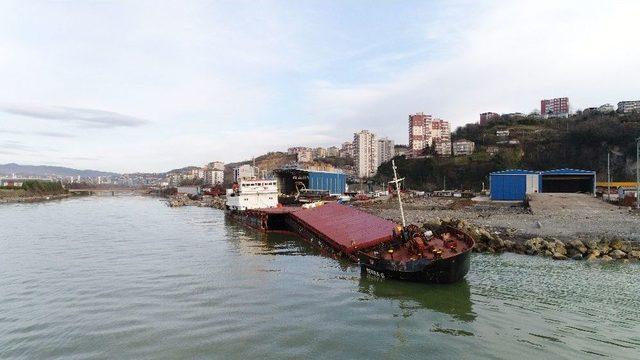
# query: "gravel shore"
[[561, 216]]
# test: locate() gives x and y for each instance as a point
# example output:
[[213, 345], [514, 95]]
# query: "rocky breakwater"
[[592, 250], [205, 201]]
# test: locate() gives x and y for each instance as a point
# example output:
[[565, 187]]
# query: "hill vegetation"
[[581, 141]]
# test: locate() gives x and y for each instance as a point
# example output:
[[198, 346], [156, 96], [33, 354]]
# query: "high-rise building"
[[486, 117], [386, 150], [346, 150], [425, 130], [365, 146], [558, 107], [628, 106]]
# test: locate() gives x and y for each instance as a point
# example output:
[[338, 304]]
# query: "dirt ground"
[[563, 216]]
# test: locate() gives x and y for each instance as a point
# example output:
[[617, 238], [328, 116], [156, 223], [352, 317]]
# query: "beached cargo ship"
[[382, 247]]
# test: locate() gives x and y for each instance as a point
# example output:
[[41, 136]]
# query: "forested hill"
[[582, 141]]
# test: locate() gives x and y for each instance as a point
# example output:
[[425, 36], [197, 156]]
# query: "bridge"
[[109, 191]]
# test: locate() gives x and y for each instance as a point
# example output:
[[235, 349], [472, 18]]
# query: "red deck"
[[345, 228], [279, 210]]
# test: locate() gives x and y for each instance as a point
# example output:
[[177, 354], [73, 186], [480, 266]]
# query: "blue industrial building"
[[290, 180], [514, 185], [335, 182]]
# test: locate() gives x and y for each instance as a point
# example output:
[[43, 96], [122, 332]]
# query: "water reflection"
[[451, 299]]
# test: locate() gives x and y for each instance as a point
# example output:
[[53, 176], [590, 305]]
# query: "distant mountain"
[[44, 170]]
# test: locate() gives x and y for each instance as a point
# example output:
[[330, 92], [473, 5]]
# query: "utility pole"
[[608, 177], [638, 173], [397, 182]]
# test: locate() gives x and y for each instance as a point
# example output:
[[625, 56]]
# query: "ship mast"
[[396, 181]]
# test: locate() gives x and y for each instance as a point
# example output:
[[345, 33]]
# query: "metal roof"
[[514, 172], [568, 172], [345, 228]]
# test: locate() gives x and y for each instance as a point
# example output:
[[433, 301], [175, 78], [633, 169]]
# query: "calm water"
[[128, 277]]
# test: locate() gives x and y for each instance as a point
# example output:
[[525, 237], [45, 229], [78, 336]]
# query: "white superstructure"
[[253, 194]]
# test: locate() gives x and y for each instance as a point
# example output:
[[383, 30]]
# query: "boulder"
[[616, 244], [592, 244], [577, 257], [577, 245], [594, 252], [606, 258], [573, 253], [534, 245], [592, 257], [557, 256], [547, 253], [557, 246], [519, 248], [634, 254], [618, 254], [508, 245]]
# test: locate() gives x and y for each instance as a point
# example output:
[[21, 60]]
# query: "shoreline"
[[36, 199], [500, 228]]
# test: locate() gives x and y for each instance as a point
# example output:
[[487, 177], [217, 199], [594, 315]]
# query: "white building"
[[365, 146], [333, 151], [606, 108], [347, 150], [628, 106], [386, 150], [442, 146], [305, 155], [463, 147], [244, 172], [319, 153]]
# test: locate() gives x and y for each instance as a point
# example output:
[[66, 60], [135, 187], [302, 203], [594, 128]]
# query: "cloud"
[[85, 117], [53, 134]]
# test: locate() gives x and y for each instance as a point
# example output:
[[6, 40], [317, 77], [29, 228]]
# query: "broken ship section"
[[370, 240]]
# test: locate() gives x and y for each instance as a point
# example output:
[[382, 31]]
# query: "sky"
[[149, 86]]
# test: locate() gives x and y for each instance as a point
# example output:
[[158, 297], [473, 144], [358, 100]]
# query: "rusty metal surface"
[[345, 228], [278, 210]]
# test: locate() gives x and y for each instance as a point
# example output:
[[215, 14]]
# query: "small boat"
[[417, 255]]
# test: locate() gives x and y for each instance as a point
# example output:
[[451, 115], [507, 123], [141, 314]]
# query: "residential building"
[[305, 155], [463, 147], [628, 106], [244, 172], [486, 117], [424, 130], [386, 150], [365, 146], [606, 108], [502, 133], [213, 177], [319, 153], [346, 150], [333, 152], [442, 146], [295, 150], [558, 107]]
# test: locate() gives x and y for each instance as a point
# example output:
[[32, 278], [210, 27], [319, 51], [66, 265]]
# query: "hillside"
[[581, 141], [44, 170], [267, 162]]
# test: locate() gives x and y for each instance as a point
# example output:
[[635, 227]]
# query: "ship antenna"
[[396, 181]]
